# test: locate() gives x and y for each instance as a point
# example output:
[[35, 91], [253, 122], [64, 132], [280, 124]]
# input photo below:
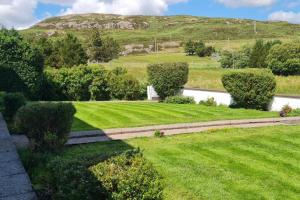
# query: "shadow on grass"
[[79, 125]]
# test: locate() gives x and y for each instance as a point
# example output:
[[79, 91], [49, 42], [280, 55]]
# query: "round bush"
[[129, 176], [252, 89], [168, 78], [47, 125], [284, 59]]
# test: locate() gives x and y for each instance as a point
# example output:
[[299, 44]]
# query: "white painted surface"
[[225, 98]]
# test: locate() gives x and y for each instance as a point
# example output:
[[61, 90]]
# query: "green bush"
[[209, 102], [284, 59], [47, 125], [129, 176], [76, 84], [253, 89], [180, 100], [11, 103], [2, 94], [294, 113], [168, 78]]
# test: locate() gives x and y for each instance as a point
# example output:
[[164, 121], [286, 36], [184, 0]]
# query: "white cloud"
[[292, 17], [20, 13], [17, 13], [129, 7], [247, 3]]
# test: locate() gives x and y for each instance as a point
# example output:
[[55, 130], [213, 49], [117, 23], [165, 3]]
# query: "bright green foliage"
[[179, 100], [235, 59], [284, 59], [250, 89], [11, 103], [70, 52], [209, 102], [105, 115], [47, 125], [189, 48], [168, 78], [21, 66], [129, 176], [102, 50], [78, 84], [124, 86]]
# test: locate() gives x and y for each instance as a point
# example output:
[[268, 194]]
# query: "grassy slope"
[[260, 163], [174, 28], [205, 73], [103, 115]]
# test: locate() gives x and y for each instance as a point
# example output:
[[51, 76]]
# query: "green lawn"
[[259, 163], [104, 115], [205, 73]]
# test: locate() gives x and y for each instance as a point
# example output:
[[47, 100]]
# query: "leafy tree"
[[189, 48], [71, 51], [284, 59], [102, 50], [22, 64], [198, 48], [50, 51]]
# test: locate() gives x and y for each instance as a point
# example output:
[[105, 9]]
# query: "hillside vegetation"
[[144, 29]]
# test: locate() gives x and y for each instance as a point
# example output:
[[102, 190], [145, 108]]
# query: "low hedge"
[[253, 89], [47, 125], [180, 100], [168, 78], [11, 103]]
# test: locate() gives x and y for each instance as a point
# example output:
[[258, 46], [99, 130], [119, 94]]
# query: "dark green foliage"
[[124, 86], [168, 78], [50, 51], [11, 103], [78, 84], [2, 94], [209, 102], [71, 52], [248, 57], [284, 59], [129, 176], [102, 50], [158, 134], [47, 125], [21, 66], [189, 48], [198, 48], [179, 100], [250, 89], [72, 179]]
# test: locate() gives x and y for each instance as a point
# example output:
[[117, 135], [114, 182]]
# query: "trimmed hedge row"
[[253, 89]]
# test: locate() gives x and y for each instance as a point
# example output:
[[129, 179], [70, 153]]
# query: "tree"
[[71, 52], [199, 48], [189, 48], [102, 50], [22, 64]]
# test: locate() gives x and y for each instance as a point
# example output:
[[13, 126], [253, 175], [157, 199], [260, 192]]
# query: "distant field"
[[104, 115], [205, 73]]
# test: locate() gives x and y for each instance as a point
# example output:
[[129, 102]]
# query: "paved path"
[[84, 137], [14, 181]]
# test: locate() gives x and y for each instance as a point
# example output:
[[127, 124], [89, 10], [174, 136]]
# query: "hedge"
[[168, 78], [180, 100], [11, 103], [47, 125], [252, 89]]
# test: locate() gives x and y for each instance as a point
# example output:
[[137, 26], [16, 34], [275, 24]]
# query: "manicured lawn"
[[259, 163], [205, 73], [104, 115]]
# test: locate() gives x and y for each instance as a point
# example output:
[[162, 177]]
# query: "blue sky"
[[23, 13]]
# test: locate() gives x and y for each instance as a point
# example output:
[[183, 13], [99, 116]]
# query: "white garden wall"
[[225, 98]]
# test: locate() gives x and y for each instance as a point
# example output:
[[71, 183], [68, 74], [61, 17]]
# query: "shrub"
[[11, 103], [253, 89], [180, 100], [199, 48], [168, 78], [47, 125], [2, 94], [284, 59], [285, 111], [129, 176], [77, 84], [209, 102], [295, 113], [158, 133]]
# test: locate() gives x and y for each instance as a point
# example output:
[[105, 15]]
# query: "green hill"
[[144, 29]]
